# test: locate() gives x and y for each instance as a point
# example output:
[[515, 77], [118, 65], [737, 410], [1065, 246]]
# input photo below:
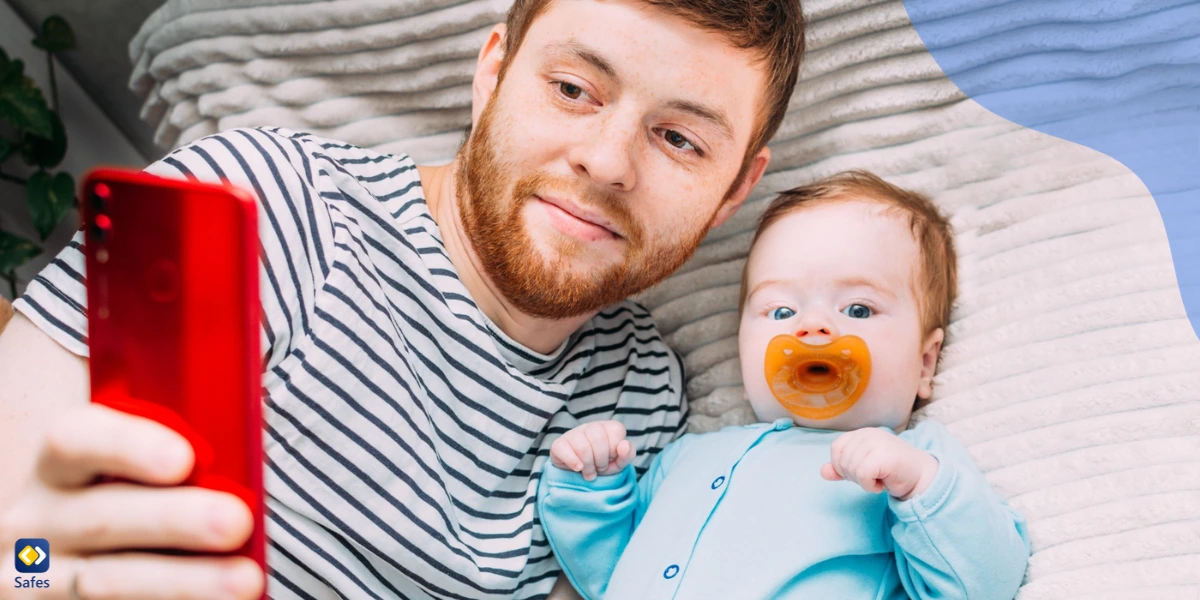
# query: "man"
[[429, 331]]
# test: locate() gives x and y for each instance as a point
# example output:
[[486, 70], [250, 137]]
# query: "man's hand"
[[592, 449], [95, 528], [877, 460]]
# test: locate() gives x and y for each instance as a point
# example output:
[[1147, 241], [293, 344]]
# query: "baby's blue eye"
[[857, 311], [782, 313]]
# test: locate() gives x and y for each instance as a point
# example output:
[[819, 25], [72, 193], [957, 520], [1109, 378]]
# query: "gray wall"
[[93, 138]]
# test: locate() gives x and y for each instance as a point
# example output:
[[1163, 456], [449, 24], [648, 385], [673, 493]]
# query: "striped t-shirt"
[[404, 432]]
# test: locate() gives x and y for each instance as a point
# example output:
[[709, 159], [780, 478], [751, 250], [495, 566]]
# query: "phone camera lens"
[[100, 197], [101, 228]]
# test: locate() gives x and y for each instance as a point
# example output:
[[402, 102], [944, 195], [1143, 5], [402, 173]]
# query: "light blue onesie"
[[744, 513]]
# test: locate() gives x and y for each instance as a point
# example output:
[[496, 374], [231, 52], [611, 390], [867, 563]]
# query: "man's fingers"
[[97, 440], [133, 576], [118, 515], [144, 575], [602, 452]]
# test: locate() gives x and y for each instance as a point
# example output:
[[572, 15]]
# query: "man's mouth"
[[577, 221]]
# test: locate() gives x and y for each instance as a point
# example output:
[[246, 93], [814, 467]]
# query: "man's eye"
[[857, 311], [677, 139], [570, 90], [782, 313]]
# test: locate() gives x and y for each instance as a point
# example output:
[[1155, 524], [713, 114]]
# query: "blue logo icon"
[[32, 555]]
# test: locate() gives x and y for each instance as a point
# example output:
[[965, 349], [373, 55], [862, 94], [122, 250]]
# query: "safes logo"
[[32, 555]]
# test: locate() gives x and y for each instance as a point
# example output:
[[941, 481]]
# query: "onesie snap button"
[[671, 572]]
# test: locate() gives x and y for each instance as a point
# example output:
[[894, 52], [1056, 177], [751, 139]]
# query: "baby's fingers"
[[583, 449], [615, 432], [563, 456], [602, 451], [624, 456], [872, 486], [829, 473], [625, 453], [841, 454], [869, 476]]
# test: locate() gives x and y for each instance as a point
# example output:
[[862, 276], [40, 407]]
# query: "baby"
[[765, 510]]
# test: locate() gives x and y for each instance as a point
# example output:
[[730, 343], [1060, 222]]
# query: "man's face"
[[605, 154]]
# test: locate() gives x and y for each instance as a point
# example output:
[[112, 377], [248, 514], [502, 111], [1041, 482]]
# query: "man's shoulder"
[[265, 151], [351, 156], [298, 178], [299, 173], [311, 143]]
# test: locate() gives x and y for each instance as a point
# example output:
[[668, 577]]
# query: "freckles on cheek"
[[536, 136], [683, 201]]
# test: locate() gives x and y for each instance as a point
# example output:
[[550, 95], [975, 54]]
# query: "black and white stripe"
[[405, 434]]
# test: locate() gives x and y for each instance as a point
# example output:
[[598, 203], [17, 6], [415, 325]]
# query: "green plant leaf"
[[6, 148], [64, 187], [15, 251], [49, 199], [56, 35], [10, 70], [43, 152], [21, 102]]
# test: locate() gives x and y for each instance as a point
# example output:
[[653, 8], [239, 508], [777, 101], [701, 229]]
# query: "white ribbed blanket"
[[1071, 372]]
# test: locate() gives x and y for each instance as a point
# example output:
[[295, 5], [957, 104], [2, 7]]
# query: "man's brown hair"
[[771, 29], [938, 275]]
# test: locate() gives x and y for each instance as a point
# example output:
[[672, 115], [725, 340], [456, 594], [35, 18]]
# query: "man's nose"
[[816, 326], [606, 157]]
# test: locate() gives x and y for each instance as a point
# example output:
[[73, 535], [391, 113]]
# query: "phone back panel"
[[173, 312]]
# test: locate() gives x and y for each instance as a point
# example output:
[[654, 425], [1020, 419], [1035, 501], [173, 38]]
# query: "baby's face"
[[841, 268]]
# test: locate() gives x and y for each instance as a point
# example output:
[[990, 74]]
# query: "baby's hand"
[[877, 460], [593, 448]]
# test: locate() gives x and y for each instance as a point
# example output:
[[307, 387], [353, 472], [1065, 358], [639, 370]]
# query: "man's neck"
[[540, 335]]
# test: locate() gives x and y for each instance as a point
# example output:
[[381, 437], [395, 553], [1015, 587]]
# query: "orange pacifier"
[[817, 381]]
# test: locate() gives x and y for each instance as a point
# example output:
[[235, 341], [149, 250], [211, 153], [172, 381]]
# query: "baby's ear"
[[929, 358]]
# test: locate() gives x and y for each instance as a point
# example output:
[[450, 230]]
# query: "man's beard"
[[552, 288]]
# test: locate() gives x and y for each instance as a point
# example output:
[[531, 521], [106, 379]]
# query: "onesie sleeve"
[[958, 539], [589, 523]]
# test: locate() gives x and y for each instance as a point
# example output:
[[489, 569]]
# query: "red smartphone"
[[173, 319]]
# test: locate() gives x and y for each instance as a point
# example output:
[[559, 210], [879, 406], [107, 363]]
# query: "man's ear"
[[929, 358], [487, 71], [758, 165]]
